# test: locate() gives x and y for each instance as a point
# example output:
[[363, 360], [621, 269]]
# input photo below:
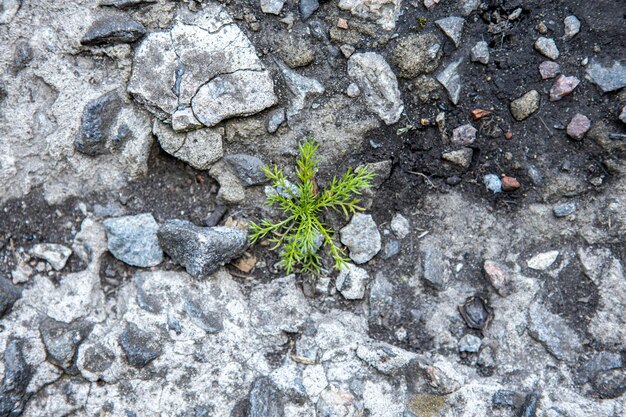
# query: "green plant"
[[302, 233], [420, 23]]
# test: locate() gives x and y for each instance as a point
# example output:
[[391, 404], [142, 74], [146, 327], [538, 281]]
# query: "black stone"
[[140, 347], [17, 375], [265, 399], [9, 294], [98, 358], [98, 118], [214, 218], [476, 313], [118, 28], [125, 4], [62, 340], [209, 321]]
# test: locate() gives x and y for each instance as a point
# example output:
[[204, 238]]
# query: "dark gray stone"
[[607, 78], [140, 347], [112, 29], [504, 398], [216, 216], [98, 118], [125, 4], [133, 239], [9, 294], [209, 321], [265, 399], [276, 118], [201, 250], [98, 358], [308, 7], [22, 55], [146, 301], [248, 168], [610, 384], [564, 209], [529, 408], [476, 312], [433, 266], [600, 362], [391, 249], [61, 341], [17, 375]]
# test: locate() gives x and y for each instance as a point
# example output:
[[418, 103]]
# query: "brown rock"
[[510, 184], [498, 276], [478, 114], [342, 23]]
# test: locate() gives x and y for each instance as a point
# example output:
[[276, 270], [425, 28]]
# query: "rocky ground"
[[486, 275]]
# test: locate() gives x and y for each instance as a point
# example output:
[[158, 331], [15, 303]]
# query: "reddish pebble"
[[478, 114], [510, 184], [562, 87], [342, 23], [579, 125], [549, 69], [508, 135]]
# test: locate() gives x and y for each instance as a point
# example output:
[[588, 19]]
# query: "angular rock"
[[56, 255], [622, 115], [133, 240], [434, 267], [384, 12], [416, 54], [464, 135], [200, 148], [553, 333], [564, 209], [429, 4], [572, 26], [111, 29], [351, 282], [468, 6], [335, 401], [453, 28], [98, 118], [248, 168], [362, 237], [400, 226], [17, 375], [231, 189], [140, 346], [607, 78], [549, 69], [272, 6], [504, 398], [493, 183], [480, 52], [61, 341], [563, 86], [469, 343], [379, 85], [209, 321], [578, 126], [526, 105], [22, 273], [450, 79], [9, 294], [385, 358], [498, 276], [543, 261], [547, 47], [300, 86], [201, 250], [308, 7], [461, 157]]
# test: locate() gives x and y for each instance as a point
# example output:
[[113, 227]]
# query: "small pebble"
[[578, 126], [510, 184], [547, 47], [493, 183], [572, 26], [563, 86], [353, 90], [469, 343], [549, 69], [464, 135], [478, 114], [480, 53], [508, 135], [564, 209], [342, 23]]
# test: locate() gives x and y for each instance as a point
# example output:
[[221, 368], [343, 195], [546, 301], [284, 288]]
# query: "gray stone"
[[610, 384], [564, 209], [295, 48], [400, 226], [450, 79], [55, 255], [301, 87], [265, 399], [461, 157], [272, 6], [470, 343], [140, 346], [531, 402], [553, 333], [384, 12], [493, 183], [468, 6], [434, 267], [201, 250], [336, 402], [572, 26], [308, 7], [248, 168], [199, 148], [391, 249], [416, 54], [504, 398], [353, 91], [133, 240], [209, 321], [378, 84], [362, 237], [464, 135], [480, 52], [525, 106], [17, 375], [543, 261], [453, 28], [622, 115], [275, 119], [351, 282], [8, 10], [9, 294], [597, 364], [111, 29], [547, 47], [21, 273], [607, 78], [476, 313], [61, 341], [549, 69], [231, 189], [22, 55], [98, 119]]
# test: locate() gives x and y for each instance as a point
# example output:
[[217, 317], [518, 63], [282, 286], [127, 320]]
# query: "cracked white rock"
[[204, 62], [379, 85], [384, 12], [199, 148]]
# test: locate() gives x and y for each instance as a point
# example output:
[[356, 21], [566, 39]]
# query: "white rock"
[[351, 282], [400, 226], [547, 47], [55, 255], [572, 26], [199, 148], [480, 53], [543, 261], [272, 6], [314, 380], [361, 235]]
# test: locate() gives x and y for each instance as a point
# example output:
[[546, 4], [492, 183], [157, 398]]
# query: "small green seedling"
[[302, 233], [420, 23]]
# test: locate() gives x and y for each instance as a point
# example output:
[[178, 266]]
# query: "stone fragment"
[[111, 29], [300, 86], [133, 240], [504, 398], [351, 282], [622, 115], [295, 49], [335, 401], [607, 78], [564, 209], [272, 6], [498, 276], [530, 404], [21, 273], [476, 313], [563, 86], [384, 12], [434, 267], [578, 126], [308, 7], [97, 122], [199, 148], [480, 53], [416, 54], [464, 135], [209, 321], [362, 237], [391, 249], [549, 69], [140, 346], [275, 120], [400, 226], [61, 341], [509, 183], [248, 168], [201, 250], [17, 375], [347, 50], [461, 157], [469, 343], [553, 333], [468, 6], [526, 105], [342, 23], [478, 114], [493, 183], [231, 189], [353, 90], [543, 261], [22, 55], [453, 28], [125, 4], [379, 85], [9, 294], [429, 4], [450, 79], [547, 47], [572, 26], [56, 255]]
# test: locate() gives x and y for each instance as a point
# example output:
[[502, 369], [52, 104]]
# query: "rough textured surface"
[[416, 55], [133, 239], [525, 106], [361, 235]]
